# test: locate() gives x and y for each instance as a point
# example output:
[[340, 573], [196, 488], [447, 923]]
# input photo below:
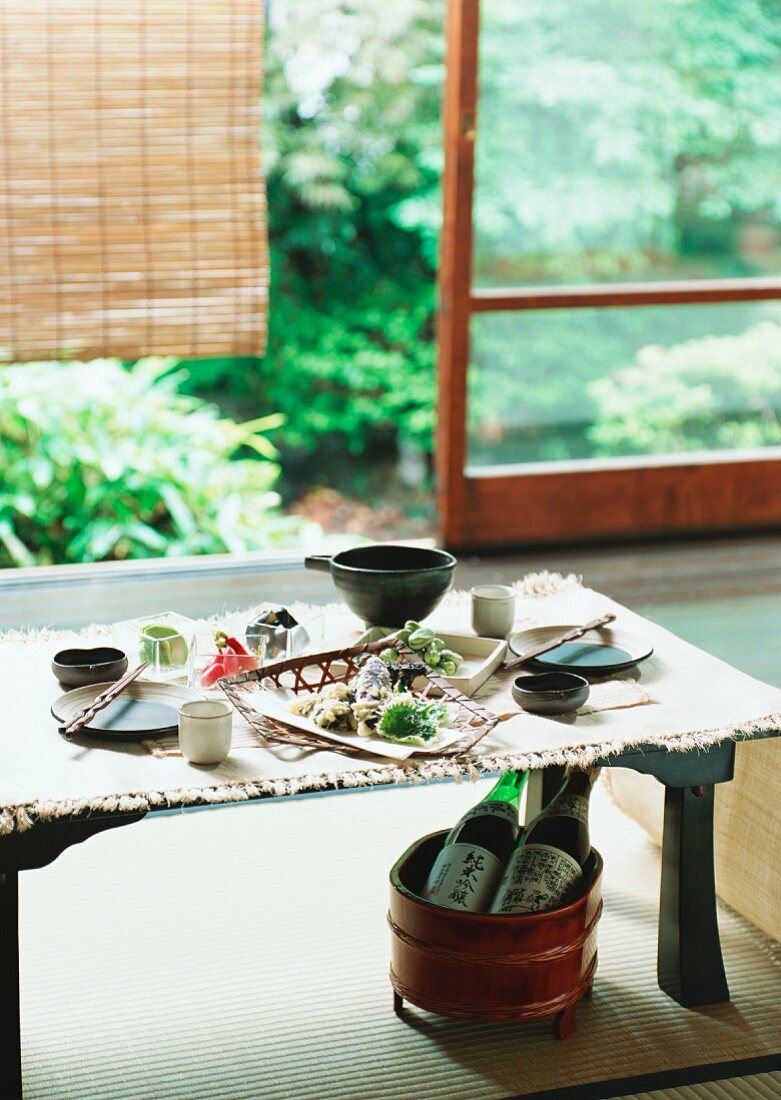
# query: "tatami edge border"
[[660, 1079]]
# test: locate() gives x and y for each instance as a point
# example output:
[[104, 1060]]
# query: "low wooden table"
[[690, 966]]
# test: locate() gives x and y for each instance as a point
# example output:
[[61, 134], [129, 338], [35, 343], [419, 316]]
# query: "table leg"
[[35, 847], [690, 967], [10, 1038]]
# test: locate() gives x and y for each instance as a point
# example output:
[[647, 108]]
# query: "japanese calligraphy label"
[[538, 877], [569, 805], [464, 877], [502, 810]]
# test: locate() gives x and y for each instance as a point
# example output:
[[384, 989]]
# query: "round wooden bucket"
[[487, 967]]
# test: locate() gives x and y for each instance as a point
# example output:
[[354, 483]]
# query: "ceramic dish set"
[[383, 583], [559, 679]]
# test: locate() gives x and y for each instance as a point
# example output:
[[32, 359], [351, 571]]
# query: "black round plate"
[[598, 653], [144, 710], [588, 659], [134, 719]]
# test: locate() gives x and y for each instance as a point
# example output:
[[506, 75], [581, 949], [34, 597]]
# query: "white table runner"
[[700, 701]]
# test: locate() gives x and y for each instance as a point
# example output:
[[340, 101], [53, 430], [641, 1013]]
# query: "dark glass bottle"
[[547, 865], [476, 850]]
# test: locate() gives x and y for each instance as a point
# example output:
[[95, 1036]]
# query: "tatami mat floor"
[[241, 954]]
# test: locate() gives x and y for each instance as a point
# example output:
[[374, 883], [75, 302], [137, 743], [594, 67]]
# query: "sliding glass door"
[[610, 324]]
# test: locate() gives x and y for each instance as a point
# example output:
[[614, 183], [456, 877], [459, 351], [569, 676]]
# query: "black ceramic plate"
[[598, 653], [134, 718], [144, 710]]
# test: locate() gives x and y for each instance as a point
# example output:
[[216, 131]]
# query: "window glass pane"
[[568, 384], [620, 140]]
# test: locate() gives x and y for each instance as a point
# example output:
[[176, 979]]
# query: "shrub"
[[100, 462], [713, 393], [352, 155]]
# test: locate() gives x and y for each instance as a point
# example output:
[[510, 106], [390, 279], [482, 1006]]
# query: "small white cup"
[[493, 610], [205, 728]]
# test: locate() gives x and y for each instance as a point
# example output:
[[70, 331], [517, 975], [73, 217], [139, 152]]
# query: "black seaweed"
[[403, 673]]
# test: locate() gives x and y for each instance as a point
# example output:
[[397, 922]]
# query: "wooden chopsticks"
[[85, 716]]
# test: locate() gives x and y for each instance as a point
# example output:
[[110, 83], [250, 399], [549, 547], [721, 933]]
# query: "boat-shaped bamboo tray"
[[312, 672]]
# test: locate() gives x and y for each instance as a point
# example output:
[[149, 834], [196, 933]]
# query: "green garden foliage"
[[102, 462], [621, 142], [616, 141], [351, 139], [672, 400]]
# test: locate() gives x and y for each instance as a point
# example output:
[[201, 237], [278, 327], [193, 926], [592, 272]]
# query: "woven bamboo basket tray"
[[314, 671]]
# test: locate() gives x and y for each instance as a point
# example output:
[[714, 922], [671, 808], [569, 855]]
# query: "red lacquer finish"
[[486, 967]]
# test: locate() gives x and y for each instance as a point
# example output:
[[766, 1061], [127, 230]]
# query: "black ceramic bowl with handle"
[[386, 584]]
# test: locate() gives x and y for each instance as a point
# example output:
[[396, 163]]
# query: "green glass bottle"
[[547, 865], [466, 872]]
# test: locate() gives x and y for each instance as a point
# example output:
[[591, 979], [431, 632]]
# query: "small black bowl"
[[551, 692], [99, 665]]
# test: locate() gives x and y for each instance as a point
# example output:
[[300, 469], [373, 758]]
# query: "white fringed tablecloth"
[[700, 701]]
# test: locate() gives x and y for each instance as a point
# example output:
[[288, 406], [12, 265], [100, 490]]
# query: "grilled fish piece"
[[372, 682]]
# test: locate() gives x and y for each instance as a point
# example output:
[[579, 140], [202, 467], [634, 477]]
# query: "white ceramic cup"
[[493, 610], [205, 728]]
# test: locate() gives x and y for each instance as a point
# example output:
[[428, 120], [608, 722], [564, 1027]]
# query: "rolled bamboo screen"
[[132, 209]]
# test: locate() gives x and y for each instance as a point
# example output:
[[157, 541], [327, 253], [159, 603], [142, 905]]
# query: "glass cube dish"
[[162, 639], [208, 663]]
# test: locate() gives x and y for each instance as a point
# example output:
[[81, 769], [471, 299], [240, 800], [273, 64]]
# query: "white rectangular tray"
[[482, 656]]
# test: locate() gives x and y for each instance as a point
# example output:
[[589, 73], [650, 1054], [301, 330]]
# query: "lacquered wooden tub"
[[485, 967]]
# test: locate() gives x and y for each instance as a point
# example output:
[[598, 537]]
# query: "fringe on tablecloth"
[[24, 816]]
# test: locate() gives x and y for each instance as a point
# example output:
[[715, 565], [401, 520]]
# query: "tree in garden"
[[352, 131], [616, 141], [623, 142], [691, 397]]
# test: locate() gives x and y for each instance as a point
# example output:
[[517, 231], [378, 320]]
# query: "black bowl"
[[385, 584], [551, 692], [99, 665]]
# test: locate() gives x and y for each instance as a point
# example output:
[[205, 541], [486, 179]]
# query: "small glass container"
[[162, 639], [209, 661], [314, 623]]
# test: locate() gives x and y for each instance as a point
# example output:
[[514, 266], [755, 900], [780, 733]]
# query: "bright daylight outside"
[[390, 530], [616, 142]]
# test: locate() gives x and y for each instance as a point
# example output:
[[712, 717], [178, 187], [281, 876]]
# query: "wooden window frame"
[[498, 506]]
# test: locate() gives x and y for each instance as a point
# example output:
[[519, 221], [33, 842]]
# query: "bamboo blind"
[[132, 208]]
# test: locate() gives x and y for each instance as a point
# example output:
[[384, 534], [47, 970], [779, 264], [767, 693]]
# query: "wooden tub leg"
[[564, 1024], [398, 1003]]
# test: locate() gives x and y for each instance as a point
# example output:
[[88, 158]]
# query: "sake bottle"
[[466, 872], [547, 864]]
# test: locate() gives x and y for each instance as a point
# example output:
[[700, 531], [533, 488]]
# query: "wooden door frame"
[[571, 501]]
